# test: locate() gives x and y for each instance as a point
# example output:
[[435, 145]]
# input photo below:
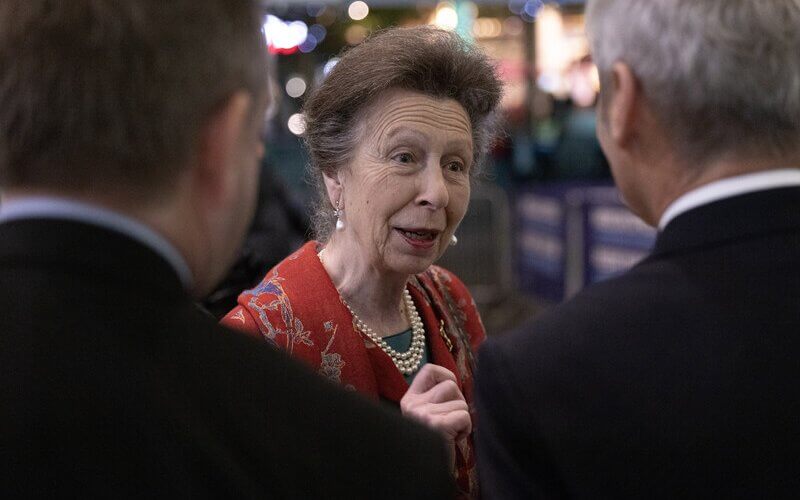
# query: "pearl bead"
[[407, 362]]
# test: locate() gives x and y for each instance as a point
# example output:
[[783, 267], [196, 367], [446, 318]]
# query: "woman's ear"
[[333, 185]]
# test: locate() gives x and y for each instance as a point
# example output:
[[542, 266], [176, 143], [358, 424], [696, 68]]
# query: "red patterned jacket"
[[298, 308]]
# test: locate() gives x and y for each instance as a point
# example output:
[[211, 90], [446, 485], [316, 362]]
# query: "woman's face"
[[408, 185]]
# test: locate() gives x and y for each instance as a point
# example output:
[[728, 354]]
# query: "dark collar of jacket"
[[89, 250], [739, 217]]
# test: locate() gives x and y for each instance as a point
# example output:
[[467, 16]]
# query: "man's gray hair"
[[723, 76]]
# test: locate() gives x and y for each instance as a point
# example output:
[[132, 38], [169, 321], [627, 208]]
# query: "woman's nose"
[[433, 187]]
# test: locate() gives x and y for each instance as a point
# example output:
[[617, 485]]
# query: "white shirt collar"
[[47, 207], [729, 187]]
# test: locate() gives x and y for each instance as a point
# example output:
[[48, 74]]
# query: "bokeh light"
[[315, 9], [532, 8], [487, 27], [355, 34], [318, 31], [358, 10], [446, 16], [309, 44], [513, 26], [516, 6], [283, 36], [297, 124], [329, 65], [296, 86]]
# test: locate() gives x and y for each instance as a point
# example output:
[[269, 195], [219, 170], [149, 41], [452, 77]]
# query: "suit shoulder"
[[610, 307]]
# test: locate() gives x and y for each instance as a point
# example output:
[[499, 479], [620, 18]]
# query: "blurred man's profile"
[[678, 378], [129, 149]]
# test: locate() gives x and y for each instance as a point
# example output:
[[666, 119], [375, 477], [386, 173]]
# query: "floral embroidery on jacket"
[[270, 296], [332, 362], [299, 309]]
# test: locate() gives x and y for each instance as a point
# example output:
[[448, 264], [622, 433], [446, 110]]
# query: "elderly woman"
[[395, 134]]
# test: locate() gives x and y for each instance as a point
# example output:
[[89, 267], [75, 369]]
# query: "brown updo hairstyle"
[[422, 59]]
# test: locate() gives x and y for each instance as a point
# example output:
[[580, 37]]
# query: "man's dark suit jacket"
[[678, 379], [114, 384]]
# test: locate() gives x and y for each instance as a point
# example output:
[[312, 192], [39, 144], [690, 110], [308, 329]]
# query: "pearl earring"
[[338, 214], [453, 241]]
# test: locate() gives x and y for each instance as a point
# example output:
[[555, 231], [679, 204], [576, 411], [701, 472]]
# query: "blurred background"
[[544, 220]]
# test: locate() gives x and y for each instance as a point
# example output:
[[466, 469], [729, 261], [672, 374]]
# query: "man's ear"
[[220, 145], [623, 100]]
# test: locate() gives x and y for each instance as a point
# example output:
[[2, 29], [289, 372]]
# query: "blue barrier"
[[568, 235]]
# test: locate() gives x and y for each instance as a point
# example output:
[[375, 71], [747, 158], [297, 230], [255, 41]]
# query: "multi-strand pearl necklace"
[[407, 362]]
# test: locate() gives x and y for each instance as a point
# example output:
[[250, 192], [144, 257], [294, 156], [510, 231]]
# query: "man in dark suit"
[[679, 378], [128, 154]]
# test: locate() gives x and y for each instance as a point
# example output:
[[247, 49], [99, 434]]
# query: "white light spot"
[[446, 16], [284, 35], [358, 10], [296, 86], [329, 65], [296, 124]]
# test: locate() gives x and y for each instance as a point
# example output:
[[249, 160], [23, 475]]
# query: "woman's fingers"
[[449, 406], [431, 385], [459, 422], [435, 399], [454, 424], [443, 408], [444, 391], [429, 376]]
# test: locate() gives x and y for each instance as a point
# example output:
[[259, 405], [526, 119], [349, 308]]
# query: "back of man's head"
[[111, 95], [721, 76]]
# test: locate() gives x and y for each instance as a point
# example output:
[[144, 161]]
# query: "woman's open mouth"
[[418, 237]]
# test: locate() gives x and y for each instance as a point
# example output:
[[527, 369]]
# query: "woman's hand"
[[435, 400]]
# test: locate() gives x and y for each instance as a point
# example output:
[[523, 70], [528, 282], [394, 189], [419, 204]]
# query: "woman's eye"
[[403, 157], [455, 166]]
